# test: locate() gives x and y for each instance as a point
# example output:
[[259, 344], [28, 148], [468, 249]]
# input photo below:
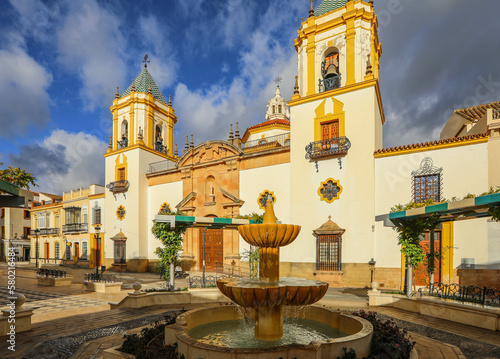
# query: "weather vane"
[[146, 61], [278, 80]]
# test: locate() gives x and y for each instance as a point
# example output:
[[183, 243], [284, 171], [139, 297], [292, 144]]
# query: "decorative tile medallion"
[[262, 200], [120, 212], [329, 190]]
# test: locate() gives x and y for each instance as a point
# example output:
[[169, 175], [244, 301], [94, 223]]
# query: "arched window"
[[123, 140], [124, 129], [330, 70], [158, 137], [96, 214], [279, 108], [274, 109]]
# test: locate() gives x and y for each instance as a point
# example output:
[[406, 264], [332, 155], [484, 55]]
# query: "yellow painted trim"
[[324, 183], [265, 193], [447, 252], [311, 66], [119, 165], [341, 91], [115, 129], [131, 137], [403, 269], [170, 136], [97, 195], [350, 47], [150, 127], [254, 131], [321, 117], [142, 147], [439, 146], [118, 210]]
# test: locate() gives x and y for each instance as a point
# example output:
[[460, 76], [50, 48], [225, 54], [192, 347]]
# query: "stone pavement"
[[70, 322]]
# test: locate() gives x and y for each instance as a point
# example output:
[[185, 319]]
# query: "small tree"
[[252, 255], [409, 233], [18, 177], [171, 239]]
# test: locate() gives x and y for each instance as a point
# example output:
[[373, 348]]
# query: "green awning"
[[209, 222]]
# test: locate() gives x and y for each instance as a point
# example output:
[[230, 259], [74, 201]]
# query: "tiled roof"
[[431, 143], [475, 113], [271, 122], [52, 196], [329, 5], [142, 85]]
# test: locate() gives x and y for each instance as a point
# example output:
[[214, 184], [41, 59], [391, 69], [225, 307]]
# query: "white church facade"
[[320, 156]]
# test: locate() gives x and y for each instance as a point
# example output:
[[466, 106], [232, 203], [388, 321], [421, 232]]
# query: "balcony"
[[337, 146], [271, 141], [49, 231], [160, 147], [118, 186], [75, 227]]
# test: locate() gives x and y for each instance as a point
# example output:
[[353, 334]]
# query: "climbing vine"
[[171, 239]]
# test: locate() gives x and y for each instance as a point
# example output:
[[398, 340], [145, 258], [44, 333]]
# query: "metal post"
[[204, 233], [409, 291], [172, 276], [97, 250], [431, 258], [36, 247]]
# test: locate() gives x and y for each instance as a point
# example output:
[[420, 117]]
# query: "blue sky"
[[61, 60]]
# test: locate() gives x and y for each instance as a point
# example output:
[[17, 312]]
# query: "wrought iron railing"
[[329, 83], [75, 227], [281, 140], [232, 270], [42, 272], [160, 147], [209, 281], [123, 143], [161, 166], [471, 293], [118, 186], [48, 231], [106, 278], [329, 147]]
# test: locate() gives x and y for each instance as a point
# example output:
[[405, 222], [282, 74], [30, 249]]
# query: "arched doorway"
[[214, 247]]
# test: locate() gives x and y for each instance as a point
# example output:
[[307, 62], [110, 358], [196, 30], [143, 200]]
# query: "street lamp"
[[37, 232], [371, 263], [98, 248]]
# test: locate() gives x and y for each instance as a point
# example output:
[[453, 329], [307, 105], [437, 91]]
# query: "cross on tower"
[[278, 80], [146, 61]]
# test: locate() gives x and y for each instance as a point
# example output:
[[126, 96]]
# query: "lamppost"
[[371, 263], [37, 232], [204, 233], [98, 248]]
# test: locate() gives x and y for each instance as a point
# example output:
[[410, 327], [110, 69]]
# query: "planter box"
[[469, 314], [23, 321], [55, 282], [102, 287]]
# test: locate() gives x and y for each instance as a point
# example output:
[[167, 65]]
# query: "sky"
[[61, 60]]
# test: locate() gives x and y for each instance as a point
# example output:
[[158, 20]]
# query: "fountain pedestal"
[[269, 294]]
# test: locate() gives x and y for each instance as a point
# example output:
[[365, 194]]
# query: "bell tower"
[[337, 46], [336, 125], [143, 133]]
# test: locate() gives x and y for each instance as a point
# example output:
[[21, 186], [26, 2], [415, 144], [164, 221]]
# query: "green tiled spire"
[[329, 5], [142, 85]]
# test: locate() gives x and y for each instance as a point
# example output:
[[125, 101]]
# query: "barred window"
[[84, 250], [329, 249], [56, 250], [427, 187], [96, 214]]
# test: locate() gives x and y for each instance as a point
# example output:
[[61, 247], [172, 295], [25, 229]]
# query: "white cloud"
[[91, 44], [154, 39], [63, 161], [23, 95]]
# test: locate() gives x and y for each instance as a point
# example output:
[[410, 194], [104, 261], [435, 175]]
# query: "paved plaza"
[[71, 323]]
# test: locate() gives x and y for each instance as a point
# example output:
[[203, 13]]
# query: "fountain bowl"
[[269, 234], [359, 332]]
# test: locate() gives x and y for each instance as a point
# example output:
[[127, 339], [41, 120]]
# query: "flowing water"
[[240, 333]]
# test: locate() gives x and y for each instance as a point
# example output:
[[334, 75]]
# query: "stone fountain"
[[268, 295], [225, 332]]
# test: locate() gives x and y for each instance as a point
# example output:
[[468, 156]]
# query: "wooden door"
[[214, 248], [330, 130], [421, 274], [77, 250], [47, 249]]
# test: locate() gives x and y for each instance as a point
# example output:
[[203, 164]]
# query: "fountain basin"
[[269, 234], [255, 293], [358, 330]]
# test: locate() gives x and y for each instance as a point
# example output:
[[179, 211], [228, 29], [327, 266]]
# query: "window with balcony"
[[74, 220]]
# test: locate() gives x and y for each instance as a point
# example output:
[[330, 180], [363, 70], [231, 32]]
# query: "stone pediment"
[[233, 200], [183, 205], [207, 152]]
